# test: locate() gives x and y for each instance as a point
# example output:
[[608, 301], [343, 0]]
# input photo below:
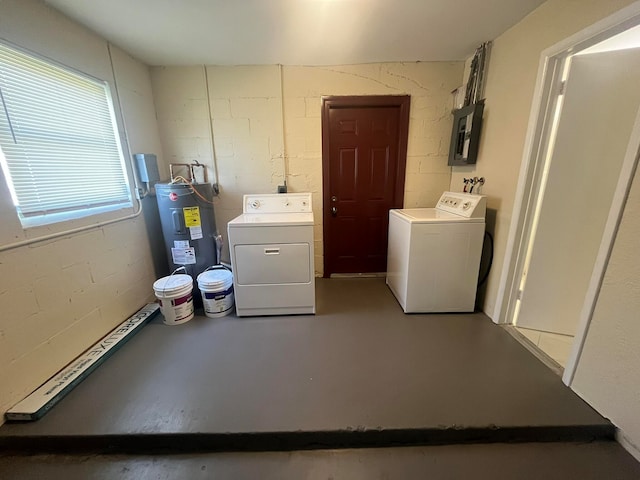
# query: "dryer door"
[[272, 264]]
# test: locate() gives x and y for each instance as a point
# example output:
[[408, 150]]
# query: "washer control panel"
[[463, 204], [277, 203]]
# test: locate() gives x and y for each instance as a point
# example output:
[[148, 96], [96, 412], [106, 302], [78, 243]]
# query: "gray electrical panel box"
[[147, 167], [465, 137]]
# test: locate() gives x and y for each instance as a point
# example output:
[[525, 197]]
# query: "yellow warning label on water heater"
[[191, 216]]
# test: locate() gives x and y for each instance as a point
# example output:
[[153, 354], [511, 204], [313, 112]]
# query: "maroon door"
[[364, 157]]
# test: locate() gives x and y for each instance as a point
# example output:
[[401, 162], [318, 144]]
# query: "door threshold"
[[535, 350], [359, 275]]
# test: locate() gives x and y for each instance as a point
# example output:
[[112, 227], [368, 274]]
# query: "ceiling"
[[296, 32]]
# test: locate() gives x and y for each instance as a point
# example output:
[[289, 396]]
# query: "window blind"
[[59, 145]]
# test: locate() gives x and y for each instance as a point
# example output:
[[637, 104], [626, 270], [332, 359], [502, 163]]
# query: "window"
[[59, 147]]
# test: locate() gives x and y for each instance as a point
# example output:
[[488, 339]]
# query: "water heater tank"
[[188, 225]]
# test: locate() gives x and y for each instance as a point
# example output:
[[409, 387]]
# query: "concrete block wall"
[[245, 116], [247, 130], [428, 84], [59, 296], [250, 141]]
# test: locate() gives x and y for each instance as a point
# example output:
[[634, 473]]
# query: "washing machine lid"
[[432, 215], [272, 219]]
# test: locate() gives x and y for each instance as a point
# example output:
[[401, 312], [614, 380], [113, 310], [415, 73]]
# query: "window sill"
[[44, 220]]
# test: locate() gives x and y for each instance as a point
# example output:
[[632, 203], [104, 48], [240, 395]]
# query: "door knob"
[[334, 211]]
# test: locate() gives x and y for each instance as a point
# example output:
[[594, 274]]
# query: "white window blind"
[[59, 145]]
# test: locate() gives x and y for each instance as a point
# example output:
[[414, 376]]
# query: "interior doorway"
[[601, 100], [582, 152], [364, 150]]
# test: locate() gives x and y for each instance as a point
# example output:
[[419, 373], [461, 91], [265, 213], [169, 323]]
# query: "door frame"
[[362, 101], [531, 171]]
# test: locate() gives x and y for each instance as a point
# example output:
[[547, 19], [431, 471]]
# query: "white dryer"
[[434, 254], [271, 247]]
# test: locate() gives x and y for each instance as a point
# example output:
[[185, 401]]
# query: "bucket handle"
[[183, 268], [217, 267]]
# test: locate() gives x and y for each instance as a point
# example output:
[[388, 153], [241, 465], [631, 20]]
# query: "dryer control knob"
[[254, 204]]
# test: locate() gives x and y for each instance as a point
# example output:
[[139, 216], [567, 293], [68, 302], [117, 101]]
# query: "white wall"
[[245, 105], [58, 297], [511, 77], [608, 372]]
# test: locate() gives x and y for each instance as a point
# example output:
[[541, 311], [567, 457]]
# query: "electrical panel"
[[465, 137]]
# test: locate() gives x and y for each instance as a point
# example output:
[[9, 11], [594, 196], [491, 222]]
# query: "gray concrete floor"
[[359, 373], [524, 461], [359, 367]]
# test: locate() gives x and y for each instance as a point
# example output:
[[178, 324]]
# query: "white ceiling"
[[296, 32]]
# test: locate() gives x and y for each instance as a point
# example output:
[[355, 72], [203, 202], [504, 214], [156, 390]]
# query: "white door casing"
[[598, 112]]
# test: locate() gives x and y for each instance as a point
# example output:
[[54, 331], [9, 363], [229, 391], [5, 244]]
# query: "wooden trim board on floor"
[[44, 398]]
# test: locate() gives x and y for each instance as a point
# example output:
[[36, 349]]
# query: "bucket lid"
[[172, 283], [215, 279]]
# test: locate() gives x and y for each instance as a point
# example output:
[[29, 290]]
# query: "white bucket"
[[216, 287], [175, 293]]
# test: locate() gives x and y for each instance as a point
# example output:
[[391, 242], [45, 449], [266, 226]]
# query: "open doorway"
[[582, 156]]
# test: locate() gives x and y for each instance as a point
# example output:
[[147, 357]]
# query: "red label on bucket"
[[173, 196], [181, 300]]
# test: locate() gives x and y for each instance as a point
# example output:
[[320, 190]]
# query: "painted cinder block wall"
[[608, 371], [248, 104], [97, 271], [246, 127], [58, 297]]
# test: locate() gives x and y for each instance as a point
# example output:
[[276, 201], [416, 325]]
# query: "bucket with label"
[[216, 287], [175, 293]]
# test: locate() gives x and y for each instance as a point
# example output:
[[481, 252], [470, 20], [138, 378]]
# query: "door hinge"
[[563, 87]]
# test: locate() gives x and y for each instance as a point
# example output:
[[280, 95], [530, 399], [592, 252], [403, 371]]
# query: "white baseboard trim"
[[627, 444]]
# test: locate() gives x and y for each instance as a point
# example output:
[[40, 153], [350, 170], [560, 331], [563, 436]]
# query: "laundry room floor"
[[359, 373], [520, 461]]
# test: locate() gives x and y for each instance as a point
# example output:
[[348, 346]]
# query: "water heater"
[[188, 225]]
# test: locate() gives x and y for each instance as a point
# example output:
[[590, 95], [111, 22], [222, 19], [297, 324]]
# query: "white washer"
[[434, 254], [271, 246]]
